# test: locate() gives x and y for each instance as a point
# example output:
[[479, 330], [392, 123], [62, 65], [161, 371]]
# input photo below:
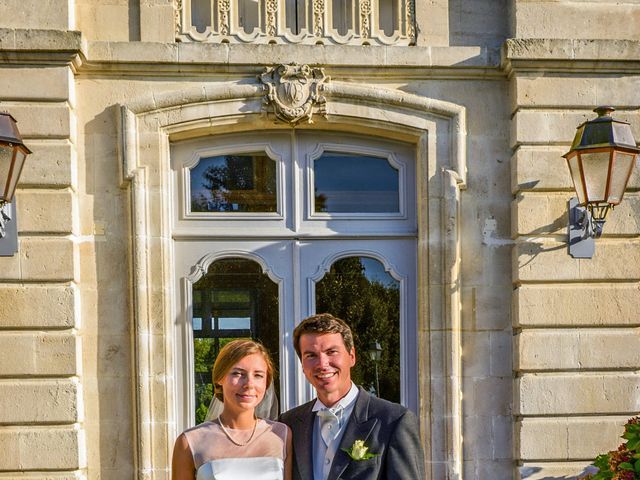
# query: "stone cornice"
[[92, 58], [37, 47], [570, 55]]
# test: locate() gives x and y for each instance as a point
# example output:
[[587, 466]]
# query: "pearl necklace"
[[235, 442]]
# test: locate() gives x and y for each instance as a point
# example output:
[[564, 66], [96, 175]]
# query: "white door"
[[283, 224]]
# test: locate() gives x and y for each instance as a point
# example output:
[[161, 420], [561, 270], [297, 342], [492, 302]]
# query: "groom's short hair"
[[320, 324]]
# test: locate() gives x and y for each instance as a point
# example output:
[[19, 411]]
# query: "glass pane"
[[349, 183], [201, 14], [575, 176], [342, 12], [234, 183], [296, 15], [596, 170], [248, 15], [237, 301], [388, 17], [619, 176], [358, 290], [6, 155], [234, 323]]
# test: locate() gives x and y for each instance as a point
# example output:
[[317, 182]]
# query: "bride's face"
[[245, 383]]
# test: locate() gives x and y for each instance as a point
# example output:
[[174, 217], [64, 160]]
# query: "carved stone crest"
[[293, 92]]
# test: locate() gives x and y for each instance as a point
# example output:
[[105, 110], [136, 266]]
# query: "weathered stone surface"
[[547, 213], [558, 126], [37, 306], [36, 14], [576, 305], [40, 448], [577, 394], [575, 349], [44, 258], [37, 84], [44, 120], [541, 470], [45, 211], [51, 164], [38, 402], [542, 168], [39, 354], [581, 438], [577, 20], [544, 260]]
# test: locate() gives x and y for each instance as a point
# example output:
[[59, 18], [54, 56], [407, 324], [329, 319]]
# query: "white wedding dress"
[[218, 458]]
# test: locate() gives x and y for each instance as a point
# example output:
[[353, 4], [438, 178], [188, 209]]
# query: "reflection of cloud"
[[375, 273]]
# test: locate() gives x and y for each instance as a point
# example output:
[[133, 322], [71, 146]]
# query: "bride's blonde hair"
[[231, 354]]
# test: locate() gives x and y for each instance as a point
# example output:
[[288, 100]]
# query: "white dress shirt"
[[323, 454]]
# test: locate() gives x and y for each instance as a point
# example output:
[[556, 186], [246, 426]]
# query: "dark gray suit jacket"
[[388, 429]]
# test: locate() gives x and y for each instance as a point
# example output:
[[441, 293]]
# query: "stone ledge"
[[576, 305], [574, 349], [38, 402], [567, 438], [547, 213], [29, 353], [544, 54], [547, 260], [57, 448], [614, 393]]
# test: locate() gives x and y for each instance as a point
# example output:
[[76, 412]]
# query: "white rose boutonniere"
[[358, 451]]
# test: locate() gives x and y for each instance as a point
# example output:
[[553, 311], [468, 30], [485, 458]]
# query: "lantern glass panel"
[[622, 164], [15, 173], [595, 166], [6, 155], [576, 177]]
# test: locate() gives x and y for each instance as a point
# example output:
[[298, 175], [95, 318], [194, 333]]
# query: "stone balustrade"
[[315, 22]]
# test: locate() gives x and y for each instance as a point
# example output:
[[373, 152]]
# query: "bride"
[[237, 445]]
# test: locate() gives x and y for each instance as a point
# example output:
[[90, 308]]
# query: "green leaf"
[[637, 466], [625, 466], [633, 444]]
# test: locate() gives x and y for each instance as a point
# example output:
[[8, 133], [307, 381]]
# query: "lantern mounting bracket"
[[583, 229]]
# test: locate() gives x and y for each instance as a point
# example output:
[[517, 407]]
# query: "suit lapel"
[[302, 431], [359, 427]]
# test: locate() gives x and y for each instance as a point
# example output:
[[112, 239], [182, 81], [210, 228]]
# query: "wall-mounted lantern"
[[601, 160], [13, 153]]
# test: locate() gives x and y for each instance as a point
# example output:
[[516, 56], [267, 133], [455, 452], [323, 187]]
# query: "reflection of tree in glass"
[[372, 310], [256, 296], [237, 183]]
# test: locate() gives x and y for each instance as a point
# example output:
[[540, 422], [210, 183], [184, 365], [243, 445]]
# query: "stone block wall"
[[41, 406], [575, 321]]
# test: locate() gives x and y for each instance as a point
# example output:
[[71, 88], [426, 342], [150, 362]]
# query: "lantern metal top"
[[9, 133], [603, 132]]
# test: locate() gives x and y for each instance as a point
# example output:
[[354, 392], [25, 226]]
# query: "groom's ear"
[[352, 354]]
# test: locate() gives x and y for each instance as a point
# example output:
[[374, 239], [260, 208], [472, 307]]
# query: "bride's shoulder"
[[277, 427]]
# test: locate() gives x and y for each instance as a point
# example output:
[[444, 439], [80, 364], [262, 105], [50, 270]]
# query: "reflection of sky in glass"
[[374, 271], [197, 323], [231, 323], [197, 188], [355, 183]]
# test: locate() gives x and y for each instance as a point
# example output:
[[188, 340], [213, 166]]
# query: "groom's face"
[[327, 365]]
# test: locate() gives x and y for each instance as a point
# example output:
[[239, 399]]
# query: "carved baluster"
[[411, 21], [177, 11], [271, 8], [223, 16], [365, 18], [319, 9]]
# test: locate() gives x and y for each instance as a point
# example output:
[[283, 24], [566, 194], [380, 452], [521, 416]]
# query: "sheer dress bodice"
[[217, 458]]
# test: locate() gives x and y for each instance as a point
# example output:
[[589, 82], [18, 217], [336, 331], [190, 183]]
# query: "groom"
[[346, 433]]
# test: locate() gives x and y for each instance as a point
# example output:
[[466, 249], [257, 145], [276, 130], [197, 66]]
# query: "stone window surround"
[[438, 131]]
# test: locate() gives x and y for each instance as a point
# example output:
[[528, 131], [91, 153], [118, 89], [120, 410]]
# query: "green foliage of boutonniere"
[[358, 451]]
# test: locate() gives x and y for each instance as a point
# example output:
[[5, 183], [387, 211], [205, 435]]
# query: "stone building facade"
[[521, 361]]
